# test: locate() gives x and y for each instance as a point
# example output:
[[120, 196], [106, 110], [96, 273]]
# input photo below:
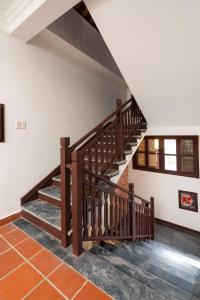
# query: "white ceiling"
[[6, 4], [26, 18], [157, 48]]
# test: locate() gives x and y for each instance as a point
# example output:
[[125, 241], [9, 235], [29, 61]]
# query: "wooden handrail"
[[92, 131], [93, 193], [97, 128], [102, 178]]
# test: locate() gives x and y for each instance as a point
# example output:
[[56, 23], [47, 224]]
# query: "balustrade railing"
[[98, 210]]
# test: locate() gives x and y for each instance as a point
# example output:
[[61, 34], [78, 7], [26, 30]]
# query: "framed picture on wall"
[[188, 200], [2, 127]]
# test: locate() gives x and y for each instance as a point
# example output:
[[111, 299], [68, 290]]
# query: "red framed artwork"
[[188, 200]]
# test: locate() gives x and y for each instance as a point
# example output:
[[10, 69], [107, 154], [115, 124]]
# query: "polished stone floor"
[[181, 240], [49, 213], [51, 191], [142, 271]]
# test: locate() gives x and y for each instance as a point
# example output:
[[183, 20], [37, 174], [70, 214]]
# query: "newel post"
[[133, 212], [119, 129], [77, 202], [152, 217], [65, 191]]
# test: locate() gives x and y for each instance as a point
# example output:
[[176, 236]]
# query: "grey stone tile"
[[62, 252], [48, 241], [173, 257], [51, 191], [28, 227], [116, 283], [166, 260], [45, 211], [164, 288], [178, 239], [158, 269]]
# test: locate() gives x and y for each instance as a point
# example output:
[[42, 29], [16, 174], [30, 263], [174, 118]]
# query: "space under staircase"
[[80, 200]]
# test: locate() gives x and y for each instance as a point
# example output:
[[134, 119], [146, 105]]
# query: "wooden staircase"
[[78, 201]]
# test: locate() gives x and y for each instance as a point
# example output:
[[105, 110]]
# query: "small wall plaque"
[[2, 127], [188, 200]]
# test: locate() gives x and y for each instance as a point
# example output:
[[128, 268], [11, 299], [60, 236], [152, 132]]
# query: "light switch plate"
[[18, 125], [23, 124]]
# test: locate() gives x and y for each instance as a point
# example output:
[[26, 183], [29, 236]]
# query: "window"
[[1, 123], [176, 155]]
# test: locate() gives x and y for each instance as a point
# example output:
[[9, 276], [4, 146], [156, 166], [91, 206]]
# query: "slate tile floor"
[[141, 271], [29, 271]]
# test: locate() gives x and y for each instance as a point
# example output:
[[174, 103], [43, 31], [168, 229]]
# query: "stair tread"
[[44, 211], [179, 251], [57, 178], [163, 287], [120, 162], [112, 280], [193, 262], [51, 191], [111, 173], [160, 259], [132, 144], [127, 152], [153, 266]]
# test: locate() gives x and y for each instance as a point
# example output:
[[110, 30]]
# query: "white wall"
[[156, 47], [165, 188], [57, 98]]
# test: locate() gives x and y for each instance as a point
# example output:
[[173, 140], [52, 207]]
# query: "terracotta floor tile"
[[67, 280], [3, 245], [9, 261], [89, 291], [28, 248], [44, 292], [45, 262], [6, 228], [17, 284], [15, 236]]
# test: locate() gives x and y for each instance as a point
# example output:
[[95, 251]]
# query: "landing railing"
[[88, 160], [105, 213], [144, 218]]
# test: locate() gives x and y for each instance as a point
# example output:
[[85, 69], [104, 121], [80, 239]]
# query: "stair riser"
[[49, 200], [38, 222], [56, 183]]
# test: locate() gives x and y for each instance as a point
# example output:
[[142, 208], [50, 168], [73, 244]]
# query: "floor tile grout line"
[[38, 271], [33, 289], [5, 251], [21, 242], [77, 292], [88, 280], [15, 269], [35, 254], [68, 264], [20, 264], [54, 270], [8, 231], [7, 225]]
